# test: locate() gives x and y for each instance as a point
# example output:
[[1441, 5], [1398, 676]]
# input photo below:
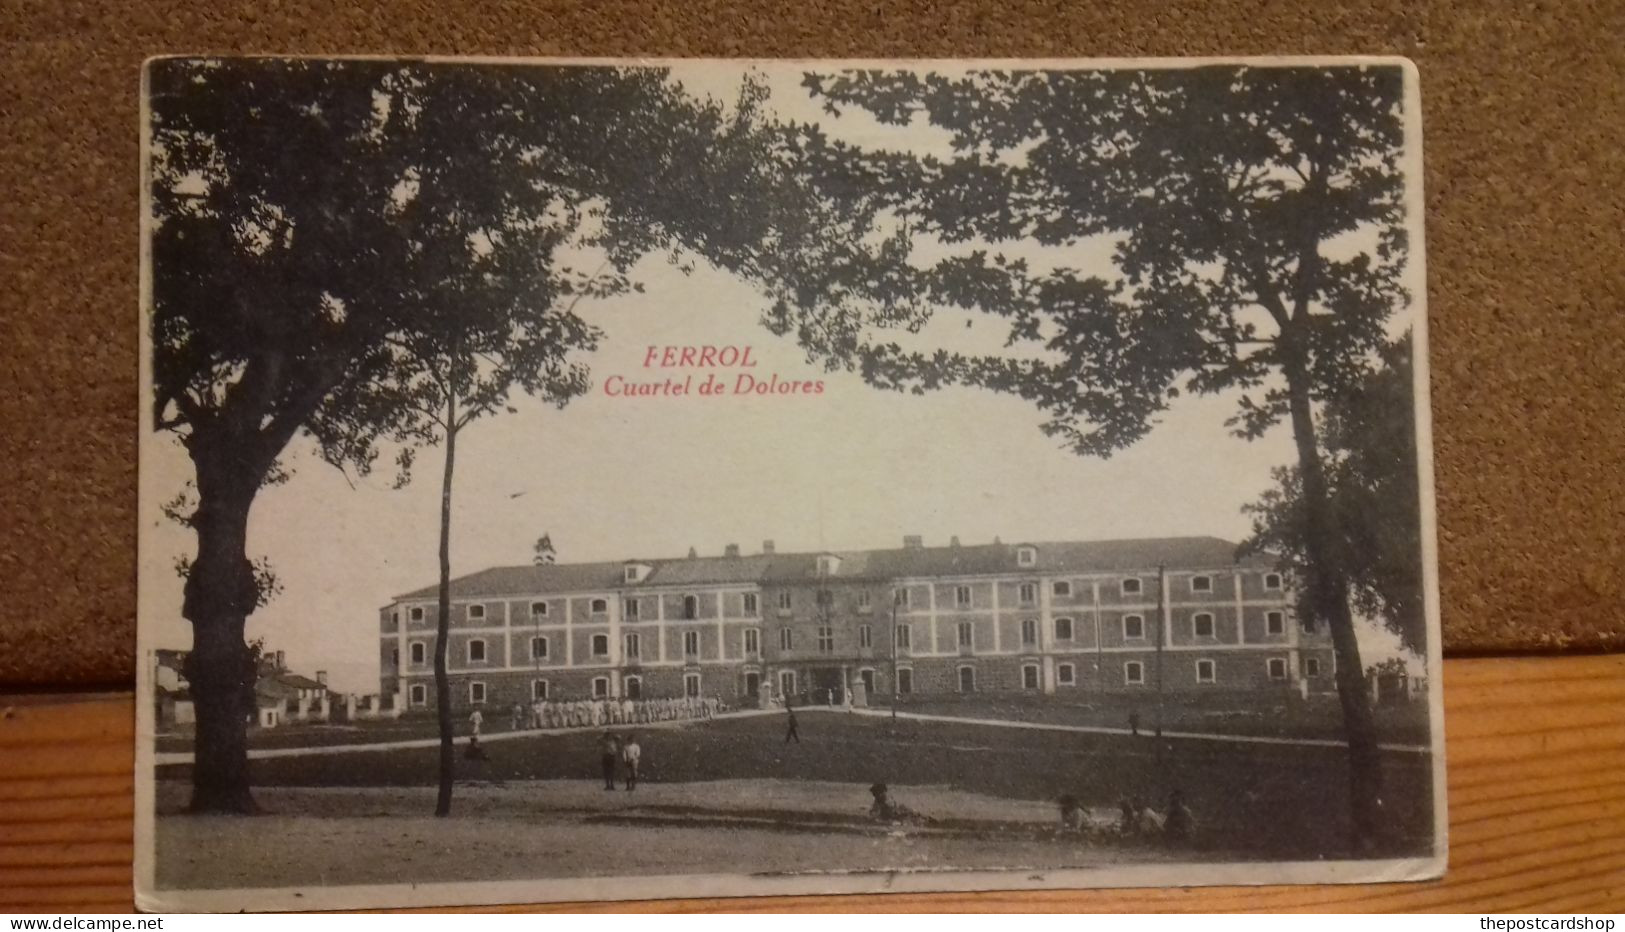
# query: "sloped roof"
[[297, 681], [709, 570], [272, 687], [1099, 556], [1176, 553], [514, 580]]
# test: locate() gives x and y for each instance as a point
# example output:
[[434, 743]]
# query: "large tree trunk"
[[220, 593], [442, 806], [1328, 601]]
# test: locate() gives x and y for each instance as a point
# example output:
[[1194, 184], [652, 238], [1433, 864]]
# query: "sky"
[[612, 477]]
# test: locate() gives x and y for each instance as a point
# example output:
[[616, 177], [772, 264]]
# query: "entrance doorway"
[[967, 679], [753, 688], [828, 686]]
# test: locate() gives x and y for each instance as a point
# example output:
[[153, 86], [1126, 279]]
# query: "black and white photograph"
[[572, 480]]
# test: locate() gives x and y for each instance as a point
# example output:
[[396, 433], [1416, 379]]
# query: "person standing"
[[474, 751], [631, 755], [791, 731], [1177, 824], [609, 754]]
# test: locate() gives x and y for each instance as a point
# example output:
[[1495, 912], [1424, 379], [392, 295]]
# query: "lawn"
[[1275, 717], [1318, 717], [322, 734], [1266, 801]]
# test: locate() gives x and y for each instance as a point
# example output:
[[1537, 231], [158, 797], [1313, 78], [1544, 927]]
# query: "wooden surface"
[[1537, 810], [1525, 201]]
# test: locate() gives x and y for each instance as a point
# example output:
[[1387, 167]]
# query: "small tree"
[[490, 296], [1369, 438], [450, 379]]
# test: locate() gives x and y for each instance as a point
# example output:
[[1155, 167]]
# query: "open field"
[[1287, 717], [1536, 746], [1268, 801], [321, 734], [1317, 718]]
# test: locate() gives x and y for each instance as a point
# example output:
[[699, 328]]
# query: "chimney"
[[953, 541], [731, 551], [767, 547], [281, 660], [913, 542], [321, 677]]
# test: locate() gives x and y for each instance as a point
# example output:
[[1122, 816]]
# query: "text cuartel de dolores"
[[717, 375]]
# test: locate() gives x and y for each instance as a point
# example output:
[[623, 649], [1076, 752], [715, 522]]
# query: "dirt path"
[[574, 828]]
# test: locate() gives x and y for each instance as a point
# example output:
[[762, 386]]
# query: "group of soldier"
[[603, 711]]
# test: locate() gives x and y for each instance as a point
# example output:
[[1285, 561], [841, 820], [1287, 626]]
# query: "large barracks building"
[[1070, 619]]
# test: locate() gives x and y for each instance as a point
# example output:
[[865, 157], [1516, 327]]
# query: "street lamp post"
[[1162, 618], [895, 694]]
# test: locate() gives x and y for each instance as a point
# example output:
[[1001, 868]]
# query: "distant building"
[[279, 695], [293, 697], [1392, 682], [1063, 619], [170, 689]]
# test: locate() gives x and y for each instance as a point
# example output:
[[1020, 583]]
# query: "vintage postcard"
[[576, 480]]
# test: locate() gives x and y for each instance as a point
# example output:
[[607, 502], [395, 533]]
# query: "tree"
[[303, 232], [1257, 224], [492, 294], [1369, 444]]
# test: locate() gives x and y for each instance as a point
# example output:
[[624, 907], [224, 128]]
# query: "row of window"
[[1134, 673], [1065, 675], [632, 688], [1130, 586], [1028, 594], [1202, 625]]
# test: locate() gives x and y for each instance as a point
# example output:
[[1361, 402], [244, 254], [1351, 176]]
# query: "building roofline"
[[759, 569]]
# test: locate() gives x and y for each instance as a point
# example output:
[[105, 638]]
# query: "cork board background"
[[1525, 191]]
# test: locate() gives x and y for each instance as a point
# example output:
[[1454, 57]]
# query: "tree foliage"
[[1369, 435], [1250, 211], [1256, 222], [339, 247]]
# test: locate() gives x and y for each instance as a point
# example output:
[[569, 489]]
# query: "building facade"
[[1066, 619]]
